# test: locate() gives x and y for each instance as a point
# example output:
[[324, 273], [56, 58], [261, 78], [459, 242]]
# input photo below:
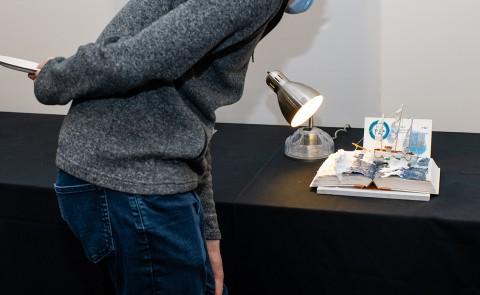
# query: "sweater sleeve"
[[205, 192], [164, 50], [126, 21]]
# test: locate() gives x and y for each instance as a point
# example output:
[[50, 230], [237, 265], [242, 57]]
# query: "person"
[[134, 180]]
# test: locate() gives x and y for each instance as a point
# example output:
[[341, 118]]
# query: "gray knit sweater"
[[145, 94]]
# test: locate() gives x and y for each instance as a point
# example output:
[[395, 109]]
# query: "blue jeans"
[[151, 244]]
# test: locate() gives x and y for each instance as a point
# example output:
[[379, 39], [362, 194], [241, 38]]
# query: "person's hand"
[[40, 67], [213, 247]]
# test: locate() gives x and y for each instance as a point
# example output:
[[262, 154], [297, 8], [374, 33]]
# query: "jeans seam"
[[111, 242], [108, 239], [198, 203], [201, 217], [149, 257]]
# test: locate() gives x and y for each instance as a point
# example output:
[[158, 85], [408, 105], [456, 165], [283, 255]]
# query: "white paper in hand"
[[18, 64]]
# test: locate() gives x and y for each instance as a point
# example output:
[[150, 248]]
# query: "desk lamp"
[[298, 103]]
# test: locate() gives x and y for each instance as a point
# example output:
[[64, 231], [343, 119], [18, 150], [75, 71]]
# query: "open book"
[[359, 173], [18, 64]]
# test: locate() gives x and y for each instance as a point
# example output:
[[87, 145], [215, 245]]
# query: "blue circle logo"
[[373, 129]]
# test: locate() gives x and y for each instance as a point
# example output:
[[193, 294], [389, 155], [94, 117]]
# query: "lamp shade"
[[298, 102]]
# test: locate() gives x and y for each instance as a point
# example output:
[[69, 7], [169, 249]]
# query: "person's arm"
[[165, 50], [212, 230], [124, 24], [205, 192]]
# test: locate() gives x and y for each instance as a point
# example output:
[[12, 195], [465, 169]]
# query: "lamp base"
[[309, 144]]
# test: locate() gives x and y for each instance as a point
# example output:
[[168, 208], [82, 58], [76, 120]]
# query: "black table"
[[346, 245], [279, 236]]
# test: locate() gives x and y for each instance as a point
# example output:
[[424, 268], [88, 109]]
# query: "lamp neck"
[[310, 123]]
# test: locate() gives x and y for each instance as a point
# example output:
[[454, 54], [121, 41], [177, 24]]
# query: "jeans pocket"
[[85, 210]]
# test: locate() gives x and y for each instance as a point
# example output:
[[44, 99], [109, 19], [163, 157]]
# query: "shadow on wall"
[[293, 37]]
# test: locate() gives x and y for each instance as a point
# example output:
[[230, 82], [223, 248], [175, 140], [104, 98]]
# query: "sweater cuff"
[[44, 85], [212, 231]]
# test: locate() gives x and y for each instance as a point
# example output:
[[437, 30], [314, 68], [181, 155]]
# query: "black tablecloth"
[[279, 236], [40, 255]]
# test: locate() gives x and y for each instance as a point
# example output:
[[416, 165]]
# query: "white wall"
[[36, 30], [366, 57], [431, 61], [334, 48]]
